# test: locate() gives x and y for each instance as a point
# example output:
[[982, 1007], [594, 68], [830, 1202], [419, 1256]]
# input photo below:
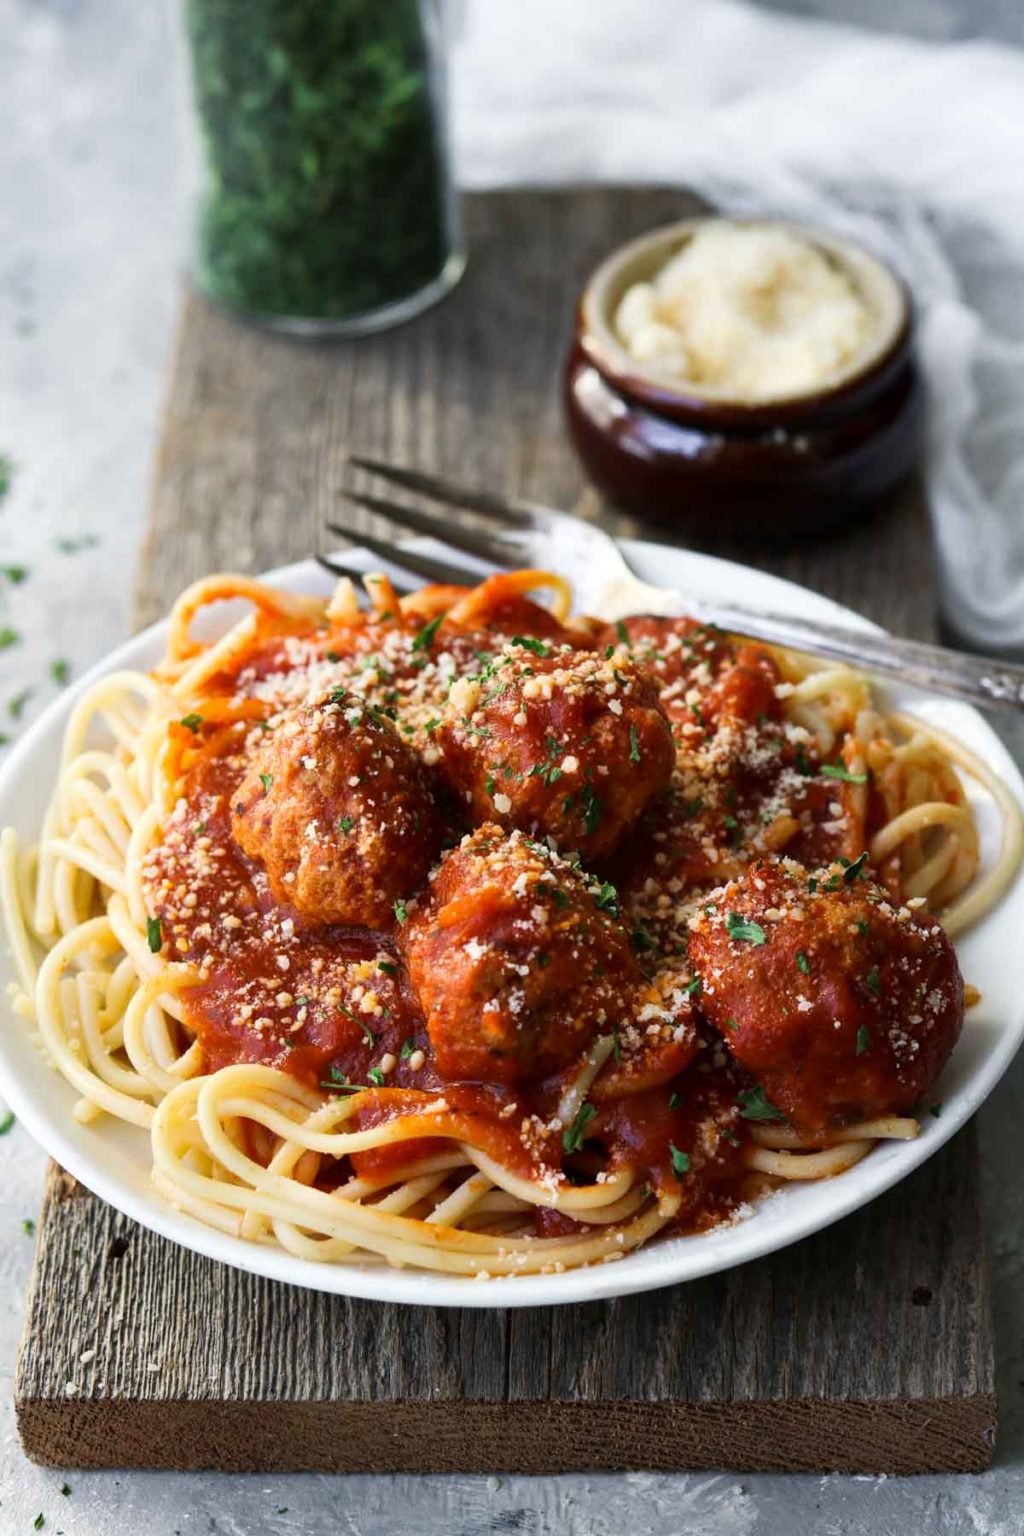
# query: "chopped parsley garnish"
[[388, 967], [75, 546], [840, 771], [634, 745], [852, 871], [755, 1106], [936, 1109], [592, 812], [408, 1046], [744, 929], [191, 722], [607, 898], [368, 1034], [15, 574], [65, 1489], [528, 643], [266, 779], [863, 1040], [812, 885], [574, 1137], [873, 981], [863, 927], [339, 1083], [431, 725], [680, 1160], [39, 1521], [641, 941], [331, 656], [346, 824], [376, 1077], [425, 639], [401, 910], [154, 934], [28, 1226], [693, 986], [622, 631], [674, 1101], [549, 771], [731, 1023], [8, 637], [691, 808], [6, 1122], [802, 962]]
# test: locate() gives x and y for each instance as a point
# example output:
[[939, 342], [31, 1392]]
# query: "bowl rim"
[[852, 388]]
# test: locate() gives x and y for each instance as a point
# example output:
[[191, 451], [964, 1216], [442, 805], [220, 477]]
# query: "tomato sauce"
[[334, 1006]]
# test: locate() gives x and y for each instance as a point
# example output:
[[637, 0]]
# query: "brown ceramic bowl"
[[693, 458]]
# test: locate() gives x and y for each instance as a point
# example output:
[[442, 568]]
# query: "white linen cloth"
[[915, 148]]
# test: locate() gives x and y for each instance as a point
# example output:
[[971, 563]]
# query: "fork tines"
[[428, 567], [517, 514], [496, 547]]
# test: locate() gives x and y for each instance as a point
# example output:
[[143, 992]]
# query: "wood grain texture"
[[866, 1348]]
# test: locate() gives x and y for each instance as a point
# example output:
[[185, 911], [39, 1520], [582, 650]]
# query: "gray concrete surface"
[[89, 246], [936, 20]]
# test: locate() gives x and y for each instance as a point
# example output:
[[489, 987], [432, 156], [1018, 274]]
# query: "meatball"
[[516, 962], [571, 744], [841, 1004], [337, 809]]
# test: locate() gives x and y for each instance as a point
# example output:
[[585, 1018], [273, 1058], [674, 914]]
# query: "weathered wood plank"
[[865, 1348]]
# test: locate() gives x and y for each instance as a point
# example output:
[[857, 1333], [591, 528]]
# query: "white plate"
[[113, 1159]]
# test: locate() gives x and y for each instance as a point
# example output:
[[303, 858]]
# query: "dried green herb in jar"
[[325, 190]]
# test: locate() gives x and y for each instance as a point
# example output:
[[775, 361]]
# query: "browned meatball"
[[337, 809], [517, 965], [571, 744], [842, 1004]]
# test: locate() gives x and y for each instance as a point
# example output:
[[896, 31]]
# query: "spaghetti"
[[251, 929]]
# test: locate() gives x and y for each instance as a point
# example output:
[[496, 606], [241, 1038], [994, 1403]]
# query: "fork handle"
[[981, 680]]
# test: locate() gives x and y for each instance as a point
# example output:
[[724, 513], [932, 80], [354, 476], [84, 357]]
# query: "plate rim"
[[649, 1268]]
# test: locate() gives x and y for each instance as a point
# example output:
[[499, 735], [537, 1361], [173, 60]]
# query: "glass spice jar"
[[324, 203]]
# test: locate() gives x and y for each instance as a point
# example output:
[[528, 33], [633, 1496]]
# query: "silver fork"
[[509, 533]]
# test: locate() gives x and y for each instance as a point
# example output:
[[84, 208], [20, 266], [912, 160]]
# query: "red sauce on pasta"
[[334, 1004]]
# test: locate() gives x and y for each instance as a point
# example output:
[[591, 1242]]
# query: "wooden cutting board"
[[865, 1348]]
